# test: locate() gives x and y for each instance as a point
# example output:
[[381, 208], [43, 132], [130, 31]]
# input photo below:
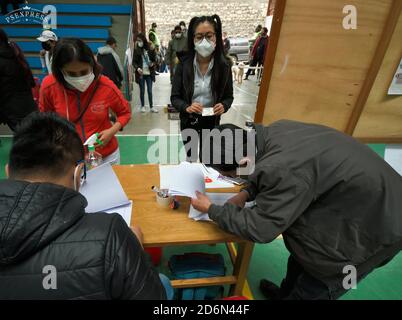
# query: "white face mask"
[[140, 44], [204, 48], [80, 83], [178, 35]]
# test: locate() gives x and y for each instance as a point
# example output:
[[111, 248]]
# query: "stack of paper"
[[103, 191], [182, 180]]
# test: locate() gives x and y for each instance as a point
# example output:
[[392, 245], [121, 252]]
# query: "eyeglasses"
[[210, 36], [83, 173]]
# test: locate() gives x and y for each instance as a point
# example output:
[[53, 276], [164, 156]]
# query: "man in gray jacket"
[[337, 204]]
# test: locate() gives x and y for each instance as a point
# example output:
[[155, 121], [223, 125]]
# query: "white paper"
[[206, 112], [396, 85], [103, 190], [216, 198], [182, 180], [124, 211], [393, 155], [212, 178]]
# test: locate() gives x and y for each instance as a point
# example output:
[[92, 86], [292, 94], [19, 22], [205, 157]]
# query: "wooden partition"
[[319, 72]]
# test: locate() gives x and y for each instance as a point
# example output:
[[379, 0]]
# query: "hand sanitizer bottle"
[[93, 159]]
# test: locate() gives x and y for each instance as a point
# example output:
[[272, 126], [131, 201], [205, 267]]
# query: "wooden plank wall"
[[318, 72]]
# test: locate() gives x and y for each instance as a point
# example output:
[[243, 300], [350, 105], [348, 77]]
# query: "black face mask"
[[46, 46]]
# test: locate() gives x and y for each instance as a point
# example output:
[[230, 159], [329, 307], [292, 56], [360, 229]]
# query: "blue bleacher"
[[94, 33], [90, 21], [88, 8], [34, 62], [35, 46]]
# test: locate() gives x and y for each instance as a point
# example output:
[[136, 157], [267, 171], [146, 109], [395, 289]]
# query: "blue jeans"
[[146, 79]]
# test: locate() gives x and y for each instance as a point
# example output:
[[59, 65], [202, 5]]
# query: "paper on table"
[[396, 85], [206, 112], [184, 179], [212, 178], [103, 190], [124, 211], [216, 198], [393, 155]]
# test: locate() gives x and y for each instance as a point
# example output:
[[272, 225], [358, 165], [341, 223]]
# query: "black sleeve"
[[176, 97], [128, 272], [281, 198], [136, 62], [117, 70], [228, 92]]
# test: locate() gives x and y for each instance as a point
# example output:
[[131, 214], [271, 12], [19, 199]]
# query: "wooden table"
[[166, 227]]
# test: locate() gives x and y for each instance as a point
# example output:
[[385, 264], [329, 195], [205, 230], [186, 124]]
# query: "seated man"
[[336, 202], [49, 247]]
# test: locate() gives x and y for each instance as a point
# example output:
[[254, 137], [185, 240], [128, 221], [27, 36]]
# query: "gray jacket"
[[335, 201]]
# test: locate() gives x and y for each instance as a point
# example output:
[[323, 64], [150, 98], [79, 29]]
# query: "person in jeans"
[[144, 63]]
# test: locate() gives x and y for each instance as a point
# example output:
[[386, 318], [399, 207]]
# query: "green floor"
[[268, 261]]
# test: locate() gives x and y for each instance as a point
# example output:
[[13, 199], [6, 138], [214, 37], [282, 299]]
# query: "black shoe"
[[269, 289], [246, 78]]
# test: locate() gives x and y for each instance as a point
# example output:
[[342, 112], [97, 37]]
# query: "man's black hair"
[[182, 23], [177, 28], [111, 41], [44, 144], [72, 49], [225, 150]]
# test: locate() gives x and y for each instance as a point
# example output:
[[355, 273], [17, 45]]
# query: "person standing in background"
[[251, 43], [226, 43], [153, 36], [182, 24], [110, 61], [176, 49], [202, 87], [49, 40], [144, 64], [258, 52], [16, 83]]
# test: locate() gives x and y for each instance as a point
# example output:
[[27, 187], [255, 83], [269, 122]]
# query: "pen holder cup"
[[164, 202]]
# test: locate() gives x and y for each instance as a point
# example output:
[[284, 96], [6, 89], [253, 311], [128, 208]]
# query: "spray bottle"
[[93, 158]]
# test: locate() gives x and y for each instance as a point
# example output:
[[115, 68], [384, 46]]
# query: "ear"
[[6, 170]]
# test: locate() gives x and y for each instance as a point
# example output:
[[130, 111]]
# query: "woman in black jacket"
[[16, 83], [144, 63], [202, 86]]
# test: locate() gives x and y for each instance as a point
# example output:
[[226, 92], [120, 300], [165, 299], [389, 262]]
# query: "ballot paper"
[[103, 190], [393, 155], [124, 211], [206, 112], [182, 180], [216, 198]]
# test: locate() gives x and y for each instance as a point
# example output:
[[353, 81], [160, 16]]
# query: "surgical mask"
[[178, 35], [80, 83], [205, 48], [140, 44], [46, 46]]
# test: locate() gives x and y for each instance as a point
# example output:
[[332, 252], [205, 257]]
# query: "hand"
[[195, 108], [239, 199], [219, 109], [105, 136], [202, 203], [139, 70], [138, 233], [42, 53]]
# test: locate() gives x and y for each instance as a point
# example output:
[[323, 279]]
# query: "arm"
[[168, 55], [282, 198], [45, 103], [120, 106], [128, 272], [228, 92], [176, 97]]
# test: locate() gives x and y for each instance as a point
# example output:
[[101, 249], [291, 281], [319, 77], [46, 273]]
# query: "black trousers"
[[299, 285], [196, 124]]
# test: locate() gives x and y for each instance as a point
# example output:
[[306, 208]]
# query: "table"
[[166, 227]]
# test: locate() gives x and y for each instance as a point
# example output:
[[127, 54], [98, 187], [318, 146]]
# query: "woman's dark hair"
[[144, 40], [219, 57], [72, 49], [19, 56], [259, 28]]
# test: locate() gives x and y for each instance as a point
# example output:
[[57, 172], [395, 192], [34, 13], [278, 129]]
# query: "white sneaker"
[[154, 110], [143, 110]]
